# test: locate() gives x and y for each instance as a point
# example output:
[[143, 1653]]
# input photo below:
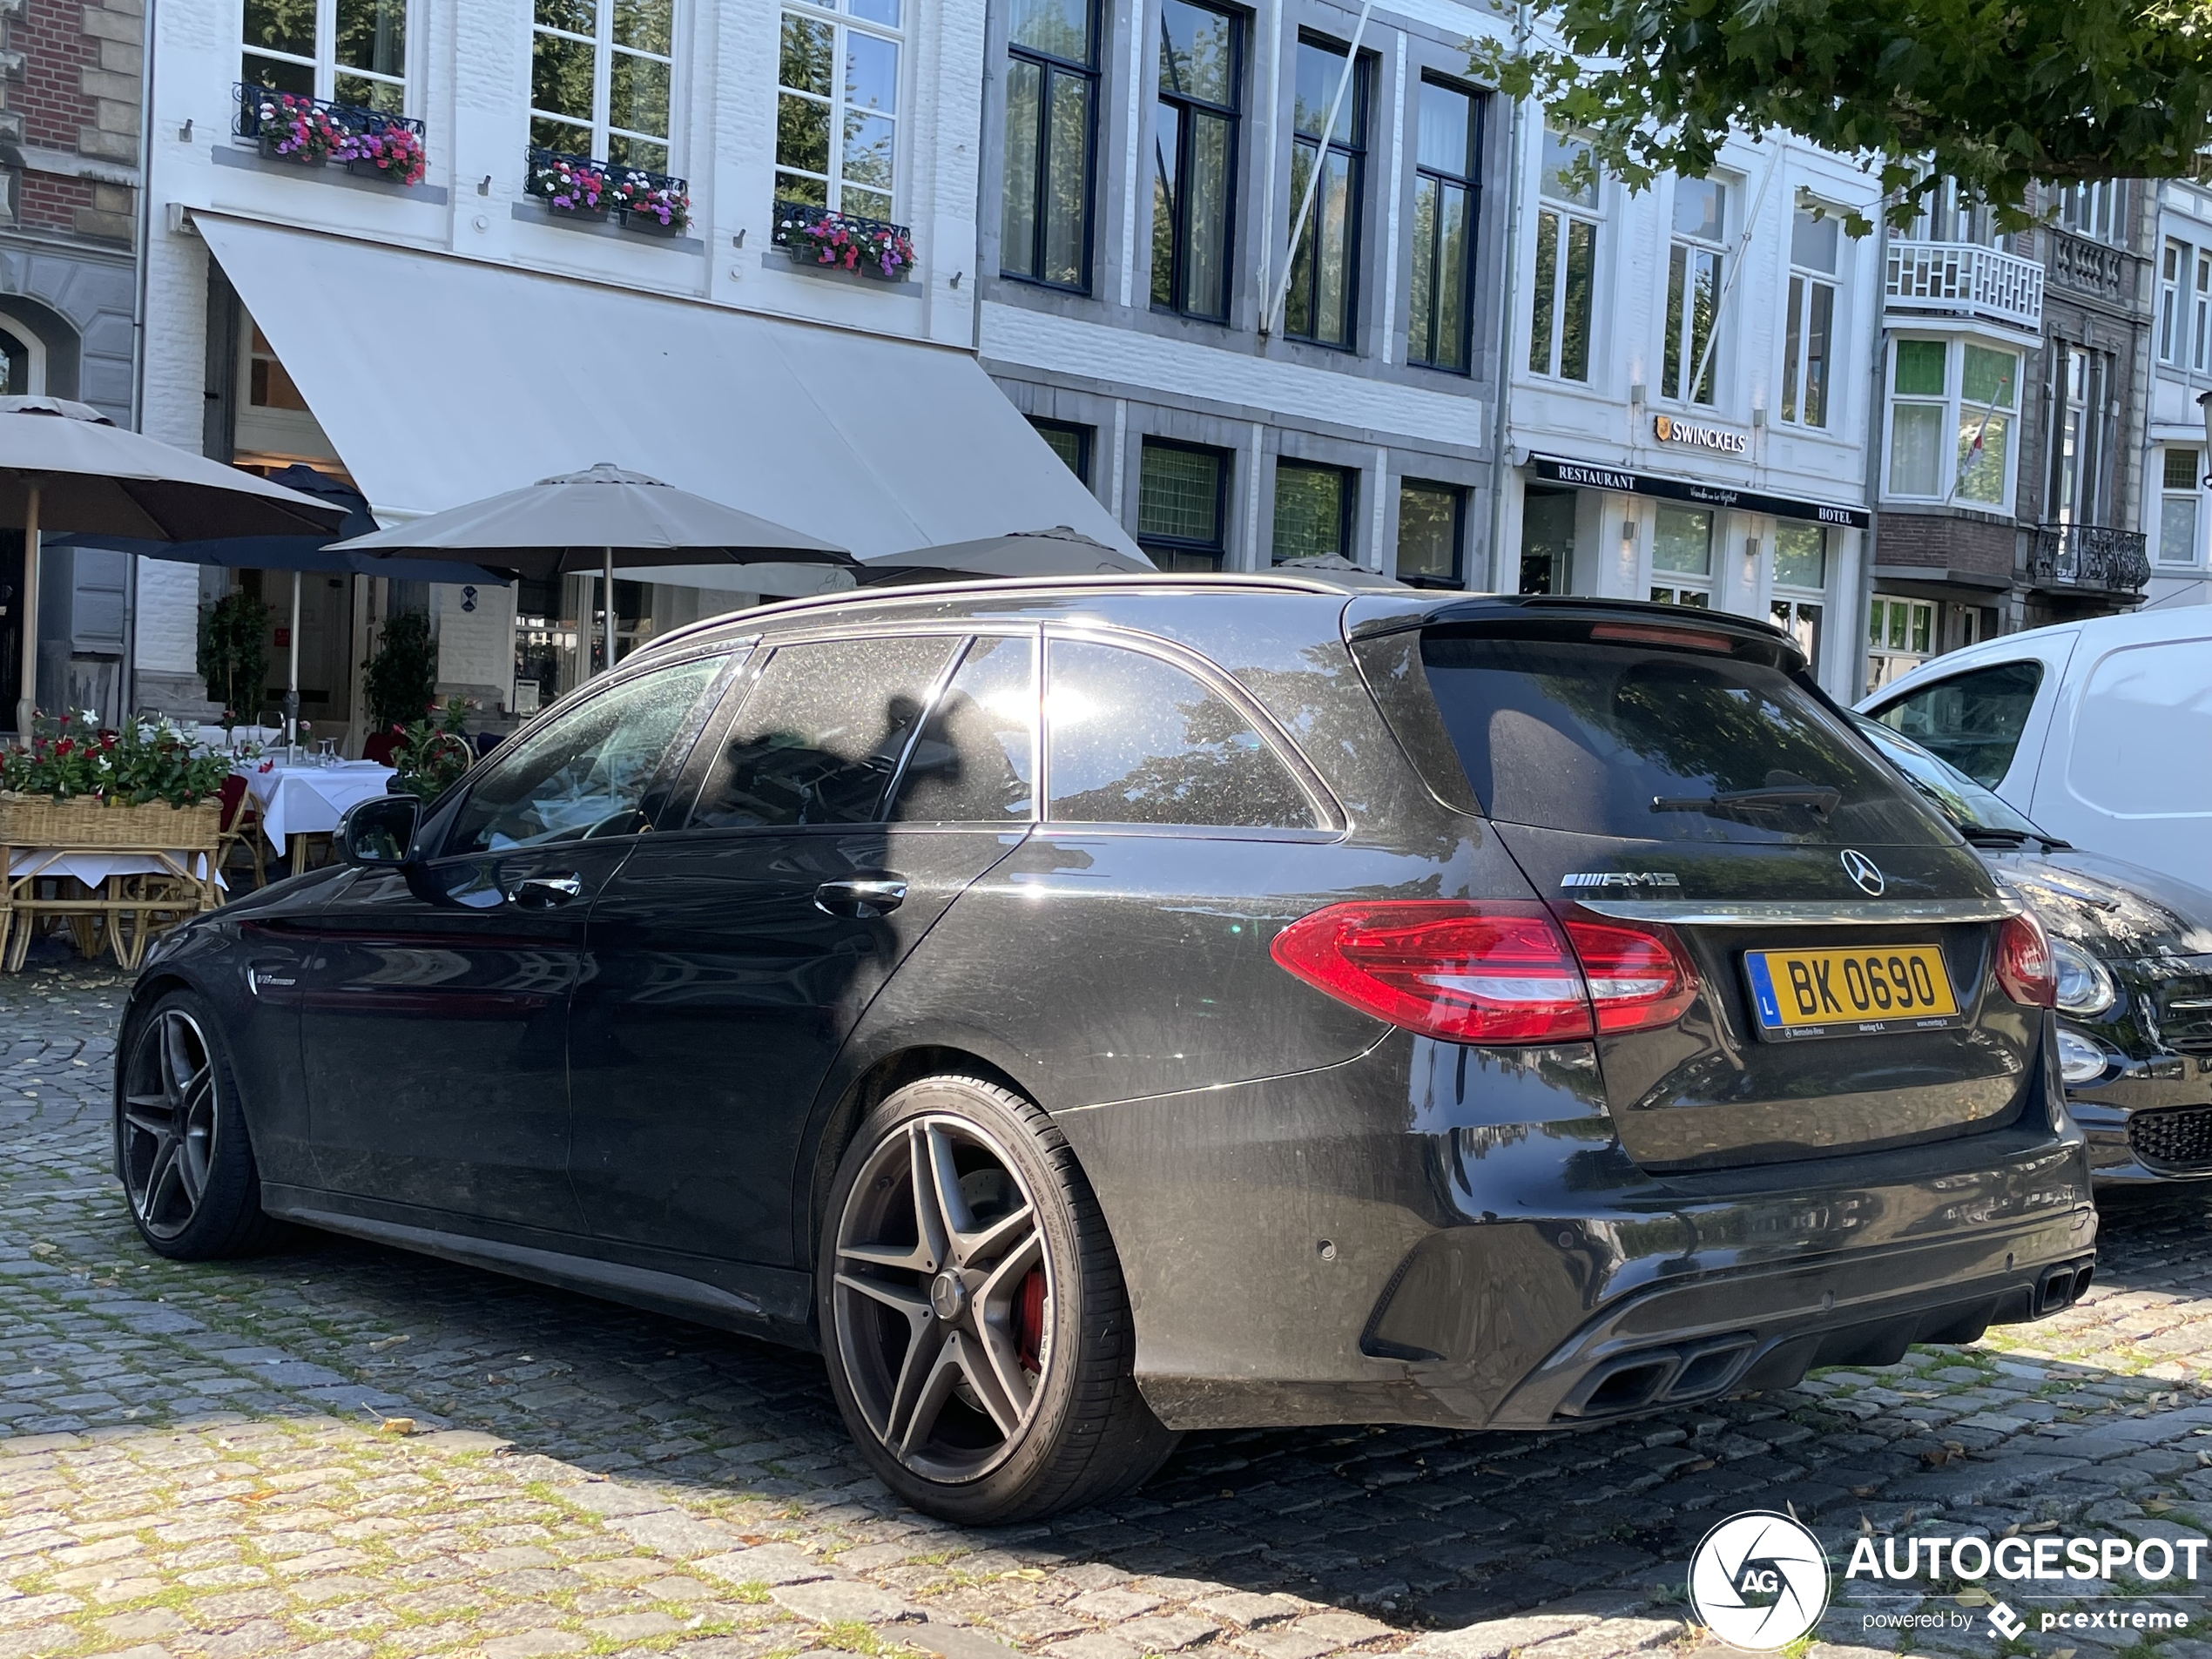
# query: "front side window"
[[1132, 739], [1974, 720], [2080, 435], [1444, 199], [1954, 407], [1687, 372], [1809, 344], [1682, 556], [351, 51], [1429, 533], [2177, 509], [1182, 505], [600, 76], [837, 106], [591, 771], [1312, 511], [1194, 157], [1051, 103], [1900, 635], [822, 733], [1322, 303], [1564, 293]]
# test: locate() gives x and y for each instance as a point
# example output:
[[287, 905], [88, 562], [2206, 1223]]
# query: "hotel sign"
[[1621, 481], [1696, 435]]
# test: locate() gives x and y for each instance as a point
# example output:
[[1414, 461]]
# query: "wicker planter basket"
[[85, 821]]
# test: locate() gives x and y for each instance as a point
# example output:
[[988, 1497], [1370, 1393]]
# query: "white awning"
[[441, 380]]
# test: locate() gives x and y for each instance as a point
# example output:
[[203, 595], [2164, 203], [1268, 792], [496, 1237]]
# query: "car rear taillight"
[[2025, 970], [1495, 972]]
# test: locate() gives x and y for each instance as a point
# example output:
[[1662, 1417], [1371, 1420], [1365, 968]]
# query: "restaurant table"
[[303, 801], [115, 909]]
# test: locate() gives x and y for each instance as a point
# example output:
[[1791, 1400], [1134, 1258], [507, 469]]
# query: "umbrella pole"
[[292, 670], [607, 593], [27, 695]]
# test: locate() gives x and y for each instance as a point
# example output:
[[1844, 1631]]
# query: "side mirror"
[[379, 833]]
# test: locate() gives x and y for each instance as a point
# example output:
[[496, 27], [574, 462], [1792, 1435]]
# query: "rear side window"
[[1647, 744], [1974, 720], [820, 733], [975, 762], [1133, 739]]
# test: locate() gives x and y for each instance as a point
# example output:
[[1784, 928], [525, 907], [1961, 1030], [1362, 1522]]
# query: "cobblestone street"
[[341, 1451]]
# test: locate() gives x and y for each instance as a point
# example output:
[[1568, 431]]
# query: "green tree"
[[401, 679], [1993, 93], [233, 658]]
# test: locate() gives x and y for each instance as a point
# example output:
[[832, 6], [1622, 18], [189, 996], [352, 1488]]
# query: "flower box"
[[94, 821], [650, 224], [389, 152], [817, 238], [280, 145]]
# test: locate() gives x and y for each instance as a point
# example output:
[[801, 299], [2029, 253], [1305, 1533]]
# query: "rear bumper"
[[2150, 1121], [1436, 1235]]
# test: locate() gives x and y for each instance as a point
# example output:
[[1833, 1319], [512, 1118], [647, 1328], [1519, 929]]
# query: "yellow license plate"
[[1851, 992]]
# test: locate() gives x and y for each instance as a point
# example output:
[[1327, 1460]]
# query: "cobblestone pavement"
[[205, 1460]]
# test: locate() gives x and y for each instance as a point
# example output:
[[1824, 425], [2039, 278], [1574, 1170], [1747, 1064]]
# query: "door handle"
[[862, 897], [545, 891]]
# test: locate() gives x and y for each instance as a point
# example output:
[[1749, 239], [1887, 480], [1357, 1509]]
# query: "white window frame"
[[34, 368], [1955, 408], [2176, 260], [325, 65], [2170, 497], [1886, 662], [1564, 214], [1796, 318], [2095, 208], [1678, 328], [834, 13], [2200, 313], [1671, 587], [603, 49]]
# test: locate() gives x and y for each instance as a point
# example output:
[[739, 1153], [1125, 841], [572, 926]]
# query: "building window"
[[2095, 208], [1051, 102], [1069, 442], [1182, 505], [600, 74], [1681, 556], [1322, 305], [1800, 563], [2173, 271], [1694, 290], [1194, 157], [1559, 332], [1809, 344], [2201, 312], [353, 51], [1900, 635], [1431, 527], [2081, 435], [1949, 214], [1952, 408], [837, 107], [1312, 510], [1547, 541], [1444, 198], [2177, 510]]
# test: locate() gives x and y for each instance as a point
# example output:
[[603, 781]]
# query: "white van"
[[2099, 730]]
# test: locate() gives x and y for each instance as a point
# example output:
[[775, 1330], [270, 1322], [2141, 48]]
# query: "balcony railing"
[[2091, 267], [2090, 555], [581, 187], [332, 123], [1964, 279]]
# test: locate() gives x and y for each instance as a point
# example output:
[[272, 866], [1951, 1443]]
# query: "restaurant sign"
[[1584, 475], [1696, 435]]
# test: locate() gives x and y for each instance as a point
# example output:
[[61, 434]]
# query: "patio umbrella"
[[1058, 552], [67, 464], [577, 521], [1338, 571]]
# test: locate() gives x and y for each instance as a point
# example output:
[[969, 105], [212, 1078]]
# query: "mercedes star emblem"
[[1864, 872]]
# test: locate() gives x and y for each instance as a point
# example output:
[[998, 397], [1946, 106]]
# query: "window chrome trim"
[[1799, 913]]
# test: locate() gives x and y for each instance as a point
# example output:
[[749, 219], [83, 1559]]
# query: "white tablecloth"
[[214, 738], [309, 800], [93, 868]]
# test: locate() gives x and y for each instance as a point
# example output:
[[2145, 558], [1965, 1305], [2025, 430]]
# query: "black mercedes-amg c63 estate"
[[1086, 1012]]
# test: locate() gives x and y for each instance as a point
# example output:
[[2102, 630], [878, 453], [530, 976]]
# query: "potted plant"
[[74, 784], [869, 247], [401, 676], [384, 150], [233, 657], [656, 206], [432, 752], [571, 188], [296, 129]]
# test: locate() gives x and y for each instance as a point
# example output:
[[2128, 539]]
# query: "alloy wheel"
[[169, 1122], [943, 1297]]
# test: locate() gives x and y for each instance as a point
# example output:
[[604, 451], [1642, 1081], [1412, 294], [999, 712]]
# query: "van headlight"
[[2081, 1060], [2084, 985]]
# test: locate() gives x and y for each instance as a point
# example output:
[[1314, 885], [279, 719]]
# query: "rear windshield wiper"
[[1820, 800], [1985, 835]]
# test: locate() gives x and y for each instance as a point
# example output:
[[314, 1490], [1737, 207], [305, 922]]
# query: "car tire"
[[973, 1314], [181, 1143]]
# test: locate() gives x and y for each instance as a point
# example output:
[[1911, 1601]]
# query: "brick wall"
[[77, 96], [1939, 541]]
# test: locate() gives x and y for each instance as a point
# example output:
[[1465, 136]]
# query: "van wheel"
[[180, 1139], [976, 1328]]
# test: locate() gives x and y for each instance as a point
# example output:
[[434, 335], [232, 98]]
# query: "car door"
[[434, 1002], [859, 787]]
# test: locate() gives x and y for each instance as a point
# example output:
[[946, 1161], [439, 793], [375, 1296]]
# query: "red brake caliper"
[[1028, 1318]]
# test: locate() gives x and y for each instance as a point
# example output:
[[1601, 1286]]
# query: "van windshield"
[[1650, 744]]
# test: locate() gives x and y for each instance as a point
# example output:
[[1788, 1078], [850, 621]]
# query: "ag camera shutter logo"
[[1759, 1580]]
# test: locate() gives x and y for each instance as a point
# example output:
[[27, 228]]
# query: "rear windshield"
[[1649, 743]]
